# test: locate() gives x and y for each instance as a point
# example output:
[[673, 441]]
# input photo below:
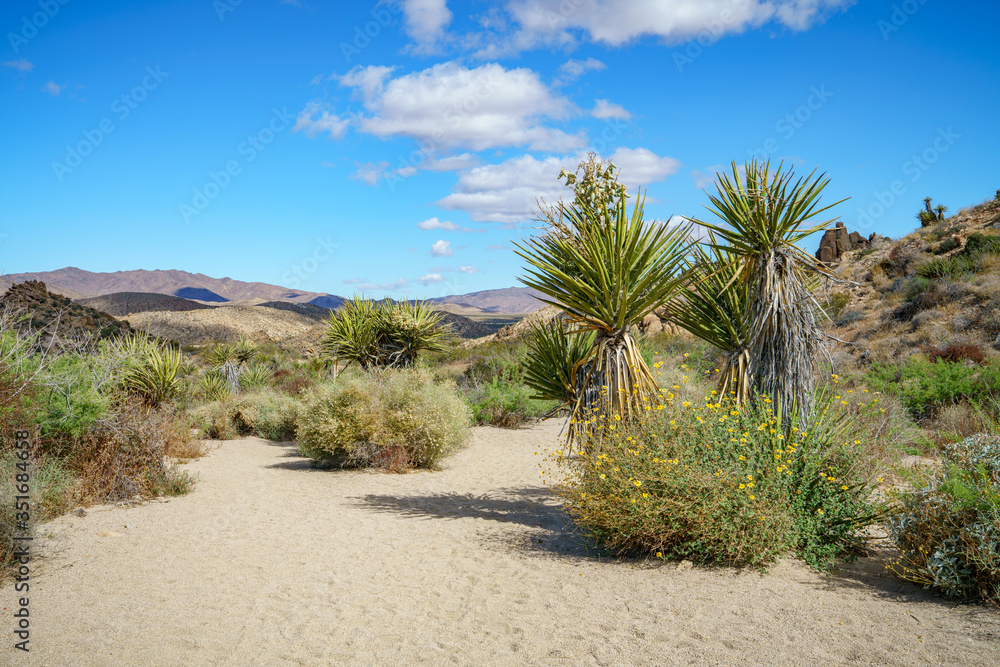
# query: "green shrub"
[[947, 268], [836, 304], [925, 387], [68, 404], [265, 413], [394, 419], [255, 376], [947, 245], [948, 530], [707, 481], [504, 404], [982, 244]]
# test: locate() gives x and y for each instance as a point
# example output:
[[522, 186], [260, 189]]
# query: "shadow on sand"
[[550, 530]]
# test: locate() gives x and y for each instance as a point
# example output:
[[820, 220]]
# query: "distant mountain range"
[[79, 284]]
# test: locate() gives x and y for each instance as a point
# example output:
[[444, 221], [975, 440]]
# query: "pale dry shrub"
[[265, 413], [395, 419], [960, 421]]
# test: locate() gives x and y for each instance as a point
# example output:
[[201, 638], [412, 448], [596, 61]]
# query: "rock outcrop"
[[837, 241]]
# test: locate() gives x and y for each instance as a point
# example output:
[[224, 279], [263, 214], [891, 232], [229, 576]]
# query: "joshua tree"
[[927, 216], [940, 209], [765, 211], [607, 269]]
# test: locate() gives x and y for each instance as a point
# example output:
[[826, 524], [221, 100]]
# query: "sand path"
[[269, 562]]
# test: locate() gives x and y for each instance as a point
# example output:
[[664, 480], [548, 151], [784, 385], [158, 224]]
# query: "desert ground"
[[272, 562]]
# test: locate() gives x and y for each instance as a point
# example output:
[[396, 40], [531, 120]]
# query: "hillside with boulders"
[[58, 321], [934, 288]]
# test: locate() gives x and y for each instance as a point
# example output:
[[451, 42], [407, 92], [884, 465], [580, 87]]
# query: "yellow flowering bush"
[[701, 478]]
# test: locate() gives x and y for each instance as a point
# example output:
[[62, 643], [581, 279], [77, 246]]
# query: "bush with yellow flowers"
[[712, 481]]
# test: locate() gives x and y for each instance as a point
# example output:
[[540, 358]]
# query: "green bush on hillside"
[[396, 420], [925, 387]]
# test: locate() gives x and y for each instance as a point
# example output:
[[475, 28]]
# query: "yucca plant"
[[765, 212], [214, 387], [255, 376], [220, 353], [382, 334], [154, 374], [607, 269], [245, 350], [714, 306], [558, 362]]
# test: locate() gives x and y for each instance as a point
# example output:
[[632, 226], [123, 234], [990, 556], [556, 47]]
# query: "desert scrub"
[[504, 403], [265, 413], [948, 529], [706, 480], [394, 419], [925, 387]]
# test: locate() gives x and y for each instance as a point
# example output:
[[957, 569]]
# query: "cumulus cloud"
[[605, 109], [315, 119], [430, 279], [508, 192], [20, 65], [434, 223], [425, 21], [441, 248], [370, 172], [616, 22], [468, 269], [449, 105], [574, 69]]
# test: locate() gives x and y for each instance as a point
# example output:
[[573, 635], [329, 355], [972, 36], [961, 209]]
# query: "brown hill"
[[938, 286], [56, 319], [121, 304], [224, 323], [78, 283], [510, 300]]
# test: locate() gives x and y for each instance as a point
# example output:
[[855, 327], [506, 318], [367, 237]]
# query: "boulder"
[[650, 325]]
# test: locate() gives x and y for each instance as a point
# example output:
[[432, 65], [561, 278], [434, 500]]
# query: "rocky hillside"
[[936, 287], [511, 300], [121, 304], [57, 319]]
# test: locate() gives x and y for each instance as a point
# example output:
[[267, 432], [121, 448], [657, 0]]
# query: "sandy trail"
[[270, 562]]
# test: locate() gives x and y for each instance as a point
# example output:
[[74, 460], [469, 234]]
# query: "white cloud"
[[574, 69], [451, 162], [370, 172], [441, 248], [52, 88], [508, 192], [396, 286], [325, 122], [615, 22], [468, 269], [449, 105], [431, 278], [20, 65], [605, 109], [641, 166], [434, 223], [426, 21]]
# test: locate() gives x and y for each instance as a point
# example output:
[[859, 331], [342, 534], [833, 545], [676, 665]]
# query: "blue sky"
[[397, 147]]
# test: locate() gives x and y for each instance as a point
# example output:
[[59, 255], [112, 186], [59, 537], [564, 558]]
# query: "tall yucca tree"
[[714, 306], [558, 360], [607, 269], [766, 212]]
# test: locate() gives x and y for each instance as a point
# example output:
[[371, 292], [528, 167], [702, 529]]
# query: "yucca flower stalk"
[[765, 211], [714, 306], [607, 269]]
